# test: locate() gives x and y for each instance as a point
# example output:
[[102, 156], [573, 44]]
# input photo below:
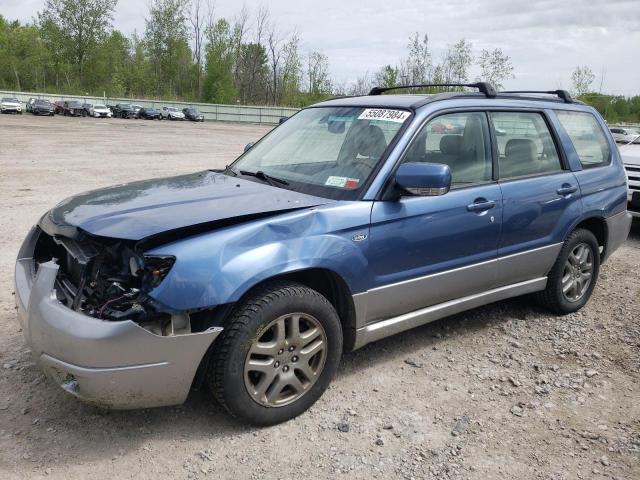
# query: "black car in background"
[[87, 109], [136, 110], [30, 103], [124, 110], [58, 107], [149, 114], [42, 107], [73, 108], [193, 114]]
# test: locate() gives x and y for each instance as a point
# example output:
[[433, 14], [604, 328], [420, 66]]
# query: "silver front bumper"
[[110, 364]]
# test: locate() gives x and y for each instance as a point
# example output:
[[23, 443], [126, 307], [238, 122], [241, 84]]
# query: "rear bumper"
[[618, 227], [117, 365]]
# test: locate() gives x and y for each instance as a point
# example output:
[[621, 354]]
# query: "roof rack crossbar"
[[563, 94], [483, 87]]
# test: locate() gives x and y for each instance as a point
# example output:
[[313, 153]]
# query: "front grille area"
[[633, 174]]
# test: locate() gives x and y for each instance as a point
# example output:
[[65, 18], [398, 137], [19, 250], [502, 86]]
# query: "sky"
[[546, 40]]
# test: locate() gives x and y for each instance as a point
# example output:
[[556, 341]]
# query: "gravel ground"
[[504, 391]]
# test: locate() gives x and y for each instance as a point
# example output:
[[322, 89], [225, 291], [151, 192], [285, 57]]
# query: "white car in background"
[[171, 113], [625, 134], [630, 153], [100, 110], [10, 105]]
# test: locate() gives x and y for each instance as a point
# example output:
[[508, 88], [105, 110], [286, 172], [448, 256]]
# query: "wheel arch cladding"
[[334, 288]]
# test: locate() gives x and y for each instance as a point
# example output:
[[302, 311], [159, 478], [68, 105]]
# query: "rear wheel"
[[277, 355], [574, 275]]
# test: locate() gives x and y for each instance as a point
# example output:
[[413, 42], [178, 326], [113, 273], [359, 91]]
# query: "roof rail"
[[483, 87], [563, 94]]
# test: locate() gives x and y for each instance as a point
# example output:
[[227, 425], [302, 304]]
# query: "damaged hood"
[[139, 210]]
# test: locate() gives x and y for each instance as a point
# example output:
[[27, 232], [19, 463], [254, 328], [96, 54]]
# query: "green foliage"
[[614, 109], [72, 48], [219, 86]]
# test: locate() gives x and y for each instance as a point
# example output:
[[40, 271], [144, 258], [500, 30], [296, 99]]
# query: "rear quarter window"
[[587, 137]]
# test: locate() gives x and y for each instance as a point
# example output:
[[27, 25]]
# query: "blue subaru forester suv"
[[355, 219]]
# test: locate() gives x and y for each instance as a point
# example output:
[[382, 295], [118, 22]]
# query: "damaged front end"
[[110, 279]]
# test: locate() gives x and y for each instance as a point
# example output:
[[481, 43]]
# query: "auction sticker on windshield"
[[342, 182], [385, 114]]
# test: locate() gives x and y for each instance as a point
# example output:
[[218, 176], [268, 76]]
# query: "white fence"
[[225, 113]]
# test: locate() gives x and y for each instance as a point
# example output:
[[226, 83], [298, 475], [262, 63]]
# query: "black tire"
[[248, 322], [553, 297]]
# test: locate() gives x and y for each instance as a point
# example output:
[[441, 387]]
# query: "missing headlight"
[[156, 268]]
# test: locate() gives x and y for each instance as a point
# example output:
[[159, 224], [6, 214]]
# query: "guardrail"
[[211, 111]]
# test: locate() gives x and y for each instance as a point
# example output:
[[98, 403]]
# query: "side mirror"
[[248, 146], [282, 120], [423, 179]]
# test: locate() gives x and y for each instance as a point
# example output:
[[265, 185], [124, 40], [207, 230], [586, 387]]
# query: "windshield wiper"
[[263, 176]]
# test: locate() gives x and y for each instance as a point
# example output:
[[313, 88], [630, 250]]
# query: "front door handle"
[[567, 189], [481, 205]]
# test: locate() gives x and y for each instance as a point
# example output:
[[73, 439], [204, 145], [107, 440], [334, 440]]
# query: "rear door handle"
[[567, 189], [481, 205]]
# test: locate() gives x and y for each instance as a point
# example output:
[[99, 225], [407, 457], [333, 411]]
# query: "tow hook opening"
[[70, 384]]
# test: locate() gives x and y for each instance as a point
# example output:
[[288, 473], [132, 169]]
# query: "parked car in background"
[[30, 103], [42, 107], [99, 111], [87, 109], [630, 153], [193, 114], [172, 113], [73, 108], [10, 105], [149, 113], [124, 110], [136, 110], [625, 134], [58, 107], [356, 219]]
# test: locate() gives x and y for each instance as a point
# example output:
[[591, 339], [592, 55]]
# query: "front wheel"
[[277, 354], [574, 275]]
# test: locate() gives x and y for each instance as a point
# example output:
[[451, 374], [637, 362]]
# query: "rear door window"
[[525, 145], [588, 138]]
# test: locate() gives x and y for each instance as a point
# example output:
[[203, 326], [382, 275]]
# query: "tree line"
[[187, 53], [614, 108]]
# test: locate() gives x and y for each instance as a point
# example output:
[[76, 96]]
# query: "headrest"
[[521, 147], [450, 144], [371, 142]]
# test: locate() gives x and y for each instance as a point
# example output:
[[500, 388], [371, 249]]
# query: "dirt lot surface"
[[504, 391]]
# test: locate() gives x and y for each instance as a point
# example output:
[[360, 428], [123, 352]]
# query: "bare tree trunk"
[[15, 72], [197, 23]]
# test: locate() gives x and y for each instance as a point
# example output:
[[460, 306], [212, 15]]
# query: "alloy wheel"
[[285, 360], [578, 272]]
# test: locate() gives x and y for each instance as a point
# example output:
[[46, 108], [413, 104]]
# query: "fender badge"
[[358, 237]]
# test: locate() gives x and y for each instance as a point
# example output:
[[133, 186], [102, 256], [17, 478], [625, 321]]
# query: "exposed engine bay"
[[109, 279]]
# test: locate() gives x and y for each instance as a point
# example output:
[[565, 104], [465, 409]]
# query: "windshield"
[[42, 102], [99, 106], [325, 151], [13, 100], [171, 109]]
